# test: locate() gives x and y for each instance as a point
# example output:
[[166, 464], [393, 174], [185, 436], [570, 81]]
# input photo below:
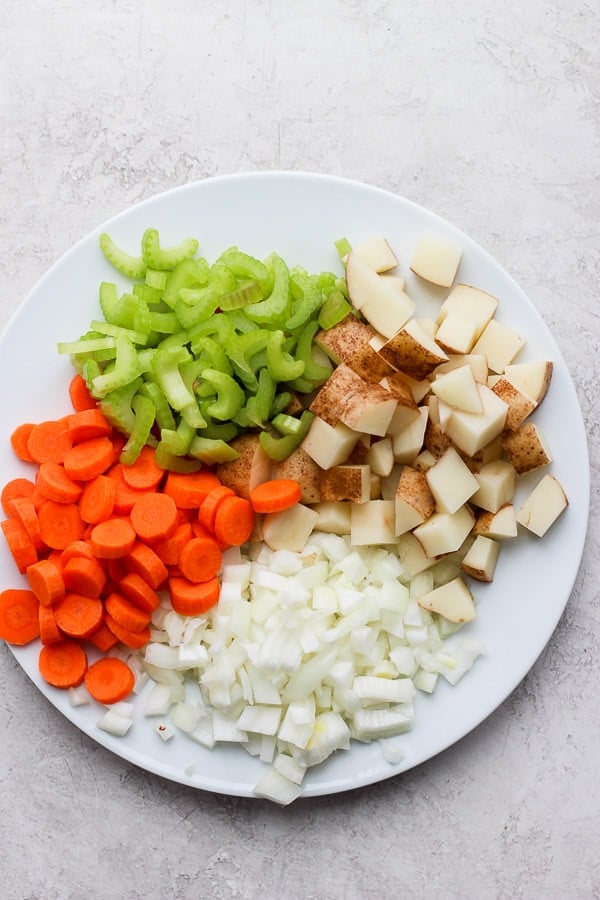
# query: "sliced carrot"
[[80, 396], [118, 441], [88, 459], [139, 592], [112, 538], [135, 640], [125, 496], [88, 424], [63, 664], [12, 490], [126, 613], [19, 616], [55, 557], [78, 616], [49, 442], [144, 562], [84, 576], [60, 524], [46, 581], [208, 508], [275, 495], [116, 569], [109, 680], [22, 508], [143, 474], [77, 548], [53, 483], [193, 599], [154, 517], [170, 549], [189, 490], [234, 521], [200, 559], [50, 633], [97, 501], [19, 439], [103, 638], [19, 543]]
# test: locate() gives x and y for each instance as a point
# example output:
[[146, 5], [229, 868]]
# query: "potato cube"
[[500, 525], [532, 378], [334, 518], [458, 389], [526, 448], [543, 506], [444, 532], [413, 351], [436, 259], [407, 443], [480, 560], [496, 485], [289, 529], [372, 522], [452, 600], [519, 404], [345, 482], [414, 501], [451, 482], [329, 446], [500, 344], [472, 431], [458, 332], [377, 253], [349, 342], [471, 302]]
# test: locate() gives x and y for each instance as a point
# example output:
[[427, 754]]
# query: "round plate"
[[300, 216]]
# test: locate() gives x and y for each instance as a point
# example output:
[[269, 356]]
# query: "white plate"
[[299, 216]]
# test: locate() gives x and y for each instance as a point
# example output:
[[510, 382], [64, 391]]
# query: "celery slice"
[[309, 301], [164, 322], [86, 346], [286, 424], [244, 266], [155, 257], [190, 273], [177, 440], [241, 349], [280, 448], [343, 247], [275, 310], [211, 451], [334, 310], [230, 396], [117, 331], [171, 463], [312, 370], [116, 406], [165, 368], [281, 366], [156, 279], [164, 416], [144, 412], [131, 266], [247, 292], [126, 369]]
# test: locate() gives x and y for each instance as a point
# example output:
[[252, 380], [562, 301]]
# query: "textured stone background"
[[486, 112]]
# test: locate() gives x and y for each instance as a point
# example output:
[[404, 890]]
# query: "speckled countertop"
[[489, 114]]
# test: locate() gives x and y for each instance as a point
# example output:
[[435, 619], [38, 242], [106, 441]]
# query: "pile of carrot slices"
[[96, 541]]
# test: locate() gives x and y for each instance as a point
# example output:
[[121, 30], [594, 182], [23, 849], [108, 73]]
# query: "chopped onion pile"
[[304, 652]]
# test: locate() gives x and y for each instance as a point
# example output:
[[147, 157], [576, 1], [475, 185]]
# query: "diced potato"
[[452, 600], [526, 448], [408, 442], [301, 468], [451, 482], [372, 522], [412, 555], [369, 410], [334, 518], [418, 389], [406, 409], [349, 342], [480, 561], [543, 506], [435, 440], [496, 485], [413, 351], [345, 482], [377, 253], [330, 402], [500, 344], [378, 299], [472, 431], [289, 529], [499, 525], [519, 404], [532, 378], [329, 446], [251, 468], [444, 532], [436, 259], [425, 460], [469, 301], [381, 457], [477, 361], [458, 332], [414, 501], [458, 389]]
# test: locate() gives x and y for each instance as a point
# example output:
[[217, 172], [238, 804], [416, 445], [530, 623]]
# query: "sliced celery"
[[247, 292], [126, 369], [275, 310], [155, 257], [334, 310], [165, 368], [230, 396], [156, 279], [281, 366], [116, 406], [241, 350], [172, 463], [286, 424], [244, 266], [178, 440], [308, 303], [164, 322], [280, 448], [312, 370], [117, 331], [343, 247], [164, 416], [190, 273], [211, 451], [131, 266], [86, 346], [144, 412]]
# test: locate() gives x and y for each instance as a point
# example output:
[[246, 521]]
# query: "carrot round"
[[97, 501], [193, 599], [62, 664], [60, 524], [170, 549], [135, 640], [109, 680], [19, 439], [78, 616], [19, 616], [87, 424], [139, 592], [80, 396], [50, 633], [15, 488], [189, 490], [126, 613], [275, 495], [76, 548], [125, 496], [154, 517], [49, 442], [20, 545], [88, 459], [53, 482], [103, 638], [46, 581], [23, 509], [84, 576], [208, 508], [143, 474], [234, 521], [112, 538], [144, 562], [200, 559]]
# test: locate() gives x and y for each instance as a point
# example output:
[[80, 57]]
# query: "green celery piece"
[[155, 257], [144, 411], [224, 431], [247, 292], [211, 451], [174, 341], [117, 331], [131, 266], [164, 322], [244, 266], [190, 314], [190, 273], [177, 440], [230, 396], [240, 321], [146, 293], [326, 282], [190, 373], [164, 415], [342, 286], [145, 358], [208, 349], [334, 310], [116, 406], [88, 369], [165, 369], [302, 385], [280, 448], [310, 301], [286, 424], [343, 247], [126, 369], [218, 326], [258, 406], [312, 370], [241, 349], [281, 366], [280, 403], [221, 278], [156, 279], [275, 310], [86, 345], [171, 463], [108, 297]]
